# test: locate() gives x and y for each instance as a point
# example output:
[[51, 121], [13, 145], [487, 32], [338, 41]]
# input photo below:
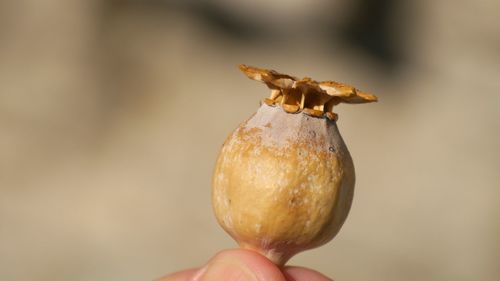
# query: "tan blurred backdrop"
[[112, 114]]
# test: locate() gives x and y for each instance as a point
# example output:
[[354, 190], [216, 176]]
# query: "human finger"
[[240, 265]]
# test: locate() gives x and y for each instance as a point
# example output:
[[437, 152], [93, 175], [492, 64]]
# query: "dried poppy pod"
[[284, 180]]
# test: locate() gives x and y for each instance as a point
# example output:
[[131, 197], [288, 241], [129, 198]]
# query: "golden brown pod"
[[284, 179]]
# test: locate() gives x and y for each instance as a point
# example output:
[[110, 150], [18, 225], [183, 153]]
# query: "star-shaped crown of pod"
[[306, 95]]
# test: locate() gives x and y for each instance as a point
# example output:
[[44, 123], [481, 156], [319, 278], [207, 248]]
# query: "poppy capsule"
[[284, 179]]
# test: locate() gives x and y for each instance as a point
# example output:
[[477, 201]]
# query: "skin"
[[244, 265]]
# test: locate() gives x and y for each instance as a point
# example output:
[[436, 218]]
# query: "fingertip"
[[240, 264], [296, 273], [251, 264]]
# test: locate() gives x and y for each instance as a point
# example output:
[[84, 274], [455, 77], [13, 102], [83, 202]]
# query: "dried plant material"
[[284, 179], [309, 95]]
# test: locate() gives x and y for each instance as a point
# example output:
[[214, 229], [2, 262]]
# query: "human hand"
[[244, 265]]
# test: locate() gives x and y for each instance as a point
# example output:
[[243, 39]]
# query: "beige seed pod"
[[284, 179]]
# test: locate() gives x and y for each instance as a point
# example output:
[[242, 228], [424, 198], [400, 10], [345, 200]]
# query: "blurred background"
[[112, 113]]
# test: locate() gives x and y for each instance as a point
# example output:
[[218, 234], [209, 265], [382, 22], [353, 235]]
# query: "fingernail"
[[226, 270]]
